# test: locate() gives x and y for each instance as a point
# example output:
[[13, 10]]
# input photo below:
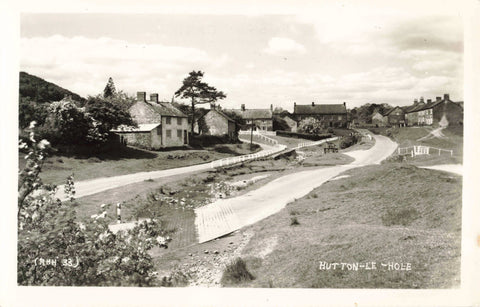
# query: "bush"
[[294, 221], [236, 272], [348, 141], [313, 137]]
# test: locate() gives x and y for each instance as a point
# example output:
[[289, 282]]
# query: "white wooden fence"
[[258, 135], [422, 150], [305, 144], [239, 159]]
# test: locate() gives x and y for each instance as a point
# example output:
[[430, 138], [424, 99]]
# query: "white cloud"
[[84, 64], [284, 46]]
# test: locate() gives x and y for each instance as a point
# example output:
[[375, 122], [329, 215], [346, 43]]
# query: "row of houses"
[[422, 113], [162, 125]]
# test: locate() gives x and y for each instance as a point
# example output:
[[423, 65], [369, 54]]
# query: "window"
[[179, 121], [340, 117], [169, 133], [168, 120], [179, 134]]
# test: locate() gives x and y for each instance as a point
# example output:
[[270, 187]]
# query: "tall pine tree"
[[198, 92], [109, 90]]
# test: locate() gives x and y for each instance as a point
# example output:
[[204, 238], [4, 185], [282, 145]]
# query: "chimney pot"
[[313, 103], [271, 107], [415, 100], [154, 97], [421, 99], [439, 98], [243, 107], [429, 100], [446, 96], [141, 96]]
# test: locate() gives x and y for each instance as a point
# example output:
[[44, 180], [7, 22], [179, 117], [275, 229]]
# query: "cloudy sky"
[[332, 54]]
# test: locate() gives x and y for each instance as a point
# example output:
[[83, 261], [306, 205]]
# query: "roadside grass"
[[130, 160], [236, 273], [385, 213], [409, 136]]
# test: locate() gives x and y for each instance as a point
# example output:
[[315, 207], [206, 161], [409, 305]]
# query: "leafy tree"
[[310, 125], [279, 123], [67, 124], [29, 111], [56, 248], [198, 92], [109, 90], [107, 114]]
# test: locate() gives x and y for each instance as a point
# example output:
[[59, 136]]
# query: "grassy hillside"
[[39, 90], [387, 213]]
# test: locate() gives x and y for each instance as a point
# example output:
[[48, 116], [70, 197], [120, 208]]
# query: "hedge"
[[313, 137]]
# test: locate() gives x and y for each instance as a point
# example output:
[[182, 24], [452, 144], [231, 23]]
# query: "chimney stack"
[[429, 100], [446, 97], [271, 107], [243, 107], [212, 106], [154, 97], [415, 101], [141, 96], [345, 104], [439, 98], [313, 103]]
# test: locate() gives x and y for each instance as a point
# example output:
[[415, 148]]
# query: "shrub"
[[55, 248], [348, 141], [294, 221], [236, 272]]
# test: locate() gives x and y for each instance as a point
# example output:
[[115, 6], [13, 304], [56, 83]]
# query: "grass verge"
[[392, 213]]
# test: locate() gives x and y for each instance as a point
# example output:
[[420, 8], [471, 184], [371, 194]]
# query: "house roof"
[[141, 128], [254, 113], [391, 110], [165, 109], [219, 112], [320, 109], [414, 107]]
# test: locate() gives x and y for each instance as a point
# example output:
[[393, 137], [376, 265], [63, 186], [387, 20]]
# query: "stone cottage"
[[433, 112], [215, 122], [378, 119], [396, 117], [331, 115], [261, 119], [160, 124]]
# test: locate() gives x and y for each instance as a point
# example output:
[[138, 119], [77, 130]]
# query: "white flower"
[[102, 205], [43, 143], [94, 216], [32, 124]]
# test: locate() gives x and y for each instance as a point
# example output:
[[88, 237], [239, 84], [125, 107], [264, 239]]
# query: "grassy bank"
[[388, 213], [131, 160]]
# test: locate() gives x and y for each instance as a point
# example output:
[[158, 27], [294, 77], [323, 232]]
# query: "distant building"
[[331, 115], [160, 124], [378, 119], [411, 112], [396, 117], [215, 122], [433, 112], [261, 119]]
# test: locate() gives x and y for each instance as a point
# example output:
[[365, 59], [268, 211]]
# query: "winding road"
[[93, 186], [227, 215]]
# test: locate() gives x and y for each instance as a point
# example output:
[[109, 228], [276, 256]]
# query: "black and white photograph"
[[317, 148]]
